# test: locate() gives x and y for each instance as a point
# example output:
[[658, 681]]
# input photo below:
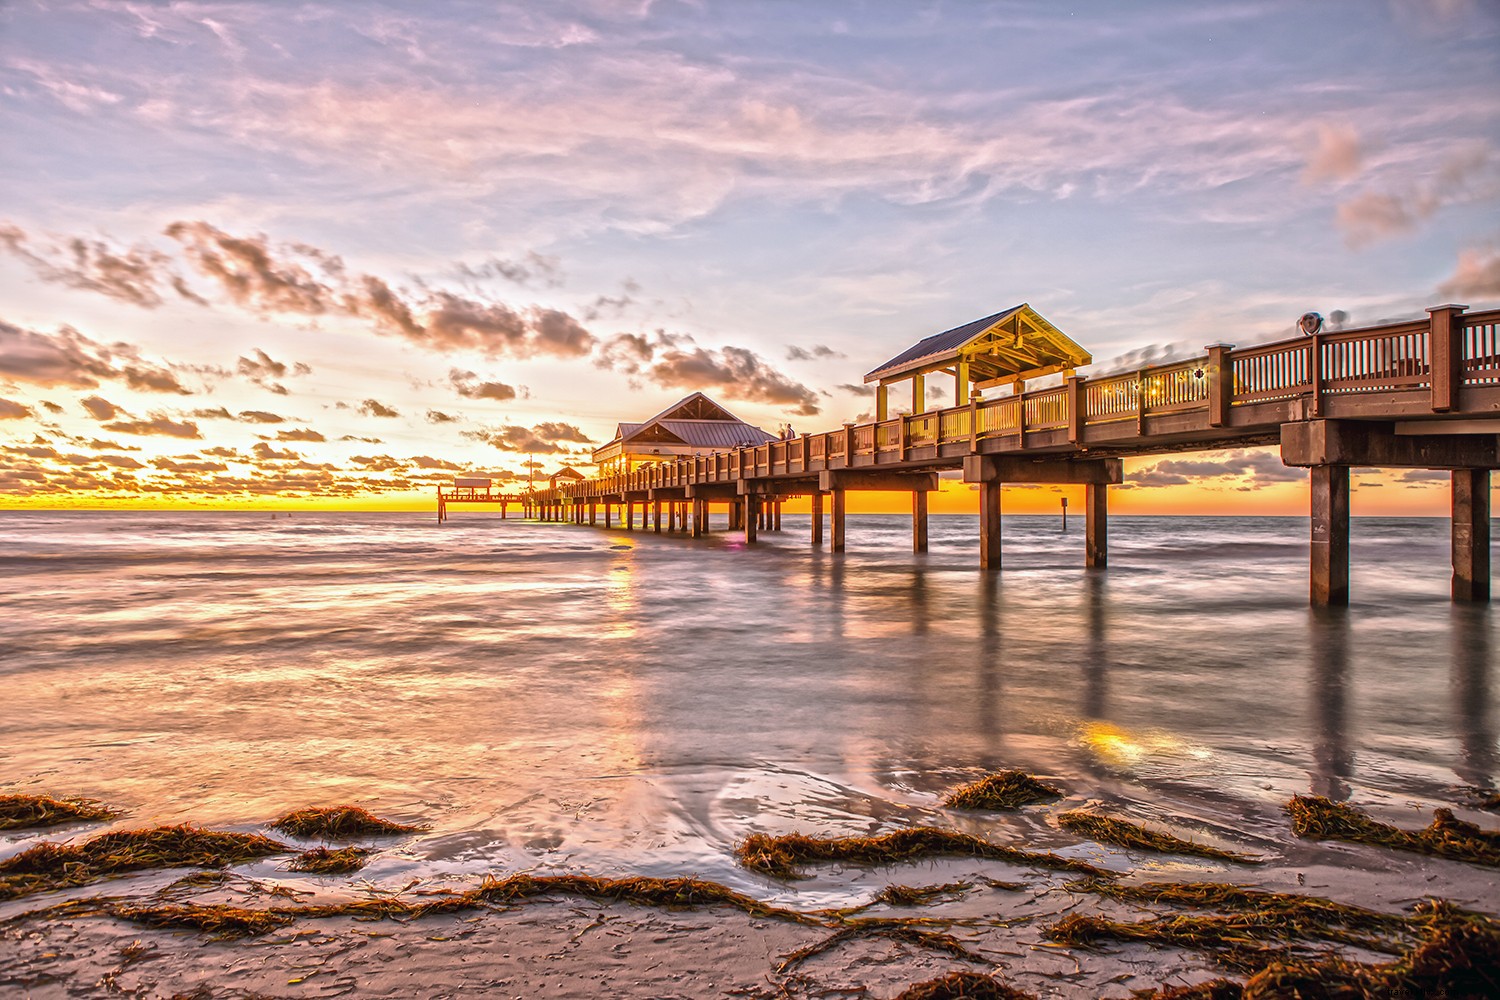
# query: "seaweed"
[[963, 986], [1318, 818], [218, 919], [1002, 790], [326, 861], [1457, 955], [904, 931], [782, 856], [19, 811], [55, 866], [1483, 798], [1212, 989], [1307, 915], [907, 895], [338, 822], [1131, 835], [640, 890]]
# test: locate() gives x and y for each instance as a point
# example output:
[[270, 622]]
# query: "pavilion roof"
[[1013, 343]]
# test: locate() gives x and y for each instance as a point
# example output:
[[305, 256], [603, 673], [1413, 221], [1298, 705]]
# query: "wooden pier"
[[1422, 395], [480, 491]]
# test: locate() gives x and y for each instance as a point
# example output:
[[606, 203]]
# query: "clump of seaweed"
[[1318, 818], [904, 931], [908, 895], [1457, 955], [1002, 790], [1212, 989], [218, 919], [1126, 834], [963, 986], [640, 890], [1483, 798], [1309, 916], [18, 811], [55, 866], [784, 855], [326, 861], [338, 823]]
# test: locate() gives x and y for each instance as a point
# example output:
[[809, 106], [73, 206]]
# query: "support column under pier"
[[919, 521], [1471, 535], [836, 518], [1329, 563], [656, 516], [752, 517], [607, 515], [817, 520], [1096, 528], [700, 514], [989, 524]]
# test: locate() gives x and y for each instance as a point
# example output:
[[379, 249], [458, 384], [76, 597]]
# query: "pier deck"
[[1423, 394]]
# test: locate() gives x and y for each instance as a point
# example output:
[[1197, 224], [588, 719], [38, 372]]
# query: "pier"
[[1415, 395]]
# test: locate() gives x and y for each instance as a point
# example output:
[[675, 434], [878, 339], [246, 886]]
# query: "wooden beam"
[[882, 402], [860, 479], [837, 519], [1018, 469], [751, 516], [989, 524], [1471, 535], [817, 520], [918, 521], [1374, 443], [1445, 337], [1096, 525], [1329, 562]]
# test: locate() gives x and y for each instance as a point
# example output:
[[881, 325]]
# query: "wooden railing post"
[[1315, 375], [1445, 354], [1220, 384], [1075, 408]]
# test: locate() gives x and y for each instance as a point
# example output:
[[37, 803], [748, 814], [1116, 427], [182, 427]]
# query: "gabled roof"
[[1013, 343], [694, 421], [567, 472]]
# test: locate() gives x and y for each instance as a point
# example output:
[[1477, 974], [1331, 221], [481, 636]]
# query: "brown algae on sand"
[[1318, 818], [919, 895], [218, 919], [1131, 835], [1002, 790], [896, 930], [54, 866], [20, 811], [330, 861], [338, 822], [1457, 954], [784, 856], [963, 986]]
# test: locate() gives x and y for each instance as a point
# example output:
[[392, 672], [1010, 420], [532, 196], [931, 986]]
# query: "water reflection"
[[1470, 638], [989, 710], [1333, 760], [1095, 648]]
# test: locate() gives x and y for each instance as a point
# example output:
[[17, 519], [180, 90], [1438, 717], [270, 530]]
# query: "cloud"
[[264, 451], [857, 390], [263, 371], [812, 353], [1469, 174], [1338, 156], [533, 267], [375, 408], [216, 413], [11, 410], [439, 417], [1477, 276], [260, 417], [300, 434], [468, 385], [100, 408], [158, 425], [735, 372], [1255, 468], [68, 358], [244, 266], [138, 275], [542, 439]]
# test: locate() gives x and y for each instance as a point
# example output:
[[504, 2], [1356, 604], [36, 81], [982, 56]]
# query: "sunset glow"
[[330, 256]]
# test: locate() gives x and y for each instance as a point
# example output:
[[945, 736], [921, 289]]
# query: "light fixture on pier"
[[1310, 323]]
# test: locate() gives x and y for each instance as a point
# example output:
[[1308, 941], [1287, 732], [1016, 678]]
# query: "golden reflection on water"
[[1125, 749]]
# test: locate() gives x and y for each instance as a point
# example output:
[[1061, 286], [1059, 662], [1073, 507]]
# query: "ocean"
[[562, 698]]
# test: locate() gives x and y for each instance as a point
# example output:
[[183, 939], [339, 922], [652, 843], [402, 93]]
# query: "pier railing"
[[1434, 358]]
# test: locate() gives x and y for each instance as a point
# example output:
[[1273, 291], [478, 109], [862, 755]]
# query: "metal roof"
[[942, 343], [717, 433], [1013, 343]]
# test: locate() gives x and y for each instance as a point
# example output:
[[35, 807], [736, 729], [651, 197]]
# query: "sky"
[[290, 255]]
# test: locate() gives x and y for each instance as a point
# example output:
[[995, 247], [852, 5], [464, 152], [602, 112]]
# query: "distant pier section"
[[1416, 395]]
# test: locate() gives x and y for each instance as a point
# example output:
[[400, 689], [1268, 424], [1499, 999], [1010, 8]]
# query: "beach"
[[554, 699]]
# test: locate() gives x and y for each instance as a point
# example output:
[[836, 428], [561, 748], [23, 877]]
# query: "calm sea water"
[[571, 698]]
